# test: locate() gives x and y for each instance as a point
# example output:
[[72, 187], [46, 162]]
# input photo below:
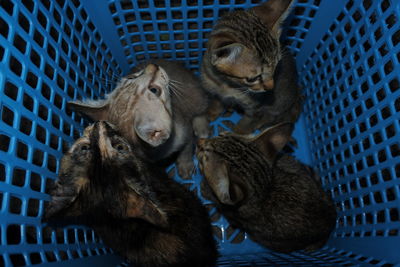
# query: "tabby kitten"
[[277, 200], [245, 68], [132, 205], [156, 108]]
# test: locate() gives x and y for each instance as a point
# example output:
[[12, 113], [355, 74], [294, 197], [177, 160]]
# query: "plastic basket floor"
[[347, 53]]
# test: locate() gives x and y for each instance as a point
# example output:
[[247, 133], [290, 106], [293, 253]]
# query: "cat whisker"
[[175, 81], [178, 94], [115, 75], [176, 90], [177, 86], [193, 170]]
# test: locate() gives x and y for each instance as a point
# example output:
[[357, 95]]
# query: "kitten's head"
[[101, 176], [244, 46], [140, 106], [232, 164]]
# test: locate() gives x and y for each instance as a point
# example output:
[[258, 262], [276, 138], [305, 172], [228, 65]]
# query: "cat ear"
[[273, 13], [96, 110], [272, 140], [63, 197], [226, 190], [226, 55], [138, 206]]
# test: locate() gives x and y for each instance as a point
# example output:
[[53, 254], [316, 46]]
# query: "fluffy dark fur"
[[245, 68], [134, 207], [273, 197]]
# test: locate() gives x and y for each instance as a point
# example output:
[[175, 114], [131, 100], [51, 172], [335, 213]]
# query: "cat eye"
[[155, 91], [120, 147], [253, 79], [85, 147]]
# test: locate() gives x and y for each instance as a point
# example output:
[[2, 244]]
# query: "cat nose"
[[158, 136], [269, 84]]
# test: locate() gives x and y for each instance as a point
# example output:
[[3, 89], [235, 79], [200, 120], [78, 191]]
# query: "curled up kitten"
[[245, 68], [150, 220], [156, 108], [274, 198]]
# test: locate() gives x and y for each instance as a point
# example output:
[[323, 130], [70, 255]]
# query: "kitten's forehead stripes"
[[232, 150], [253, 33]]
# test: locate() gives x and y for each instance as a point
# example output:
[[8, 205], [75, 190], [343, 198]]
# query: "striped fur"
[[245, 68], [271, 196]]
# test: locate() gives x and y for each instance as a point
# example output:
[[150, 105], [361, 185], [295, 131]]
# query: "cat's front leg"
[[201, 127], [246, 125], [184, 162], [215, 109]]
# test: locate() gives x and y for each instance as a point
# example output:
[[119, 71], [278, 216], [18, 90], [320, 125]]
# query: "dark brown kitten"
[[245, 68], [277, 200], [136, 210]]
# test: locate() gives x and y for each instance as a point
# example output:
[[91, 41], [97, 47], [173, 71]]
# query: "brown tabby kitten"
[[277, 200], [132, 205], [156, 108], [245, 68]]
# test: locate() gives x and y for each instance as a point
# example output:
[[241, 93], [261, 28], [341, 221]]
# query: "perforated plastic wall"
[[352, 92], [348, 59], [50, 52]]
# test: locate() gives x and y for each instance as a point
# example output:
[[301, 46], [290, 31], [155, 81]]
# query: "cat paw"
[[185, 169], [201, 127]]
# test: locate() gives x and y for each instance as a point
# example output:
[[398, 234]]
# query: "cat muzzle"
[[269, 85], [201, 142], [154, 137]]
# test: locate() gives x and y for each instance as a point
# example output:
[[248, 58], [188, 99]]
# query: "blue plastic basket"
[[348, 55]]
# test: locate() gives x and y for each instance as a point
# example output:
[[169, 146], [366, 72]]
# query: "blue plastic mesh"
[[50, 52], [348, 57], [352, 92]]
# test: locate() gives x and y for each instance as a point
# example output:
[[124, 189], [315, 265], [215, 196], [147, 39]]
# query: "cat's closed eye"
[[84, 147], [81, 147], [253, 79]]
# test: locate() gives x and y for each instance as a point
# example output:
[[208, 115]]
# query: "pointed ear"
[[95, 110], [63, 197], [224, 187], [273, 13], [272, 140], [57, 206], [138, 206], [226, 55]]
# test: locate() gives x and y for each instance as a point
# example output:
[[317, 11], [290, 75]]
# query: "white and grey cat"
[[156, 108]]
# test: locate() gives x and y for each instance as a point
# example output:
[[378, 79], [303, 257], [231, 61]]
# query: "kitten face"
[[100, 176], [229, 162], [221, 161], [244, 46], [244, 68], [152, 104], [140, 106]]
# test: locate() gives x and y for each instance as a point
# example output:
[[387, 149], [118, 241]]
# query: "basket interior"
[[348, 55]]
